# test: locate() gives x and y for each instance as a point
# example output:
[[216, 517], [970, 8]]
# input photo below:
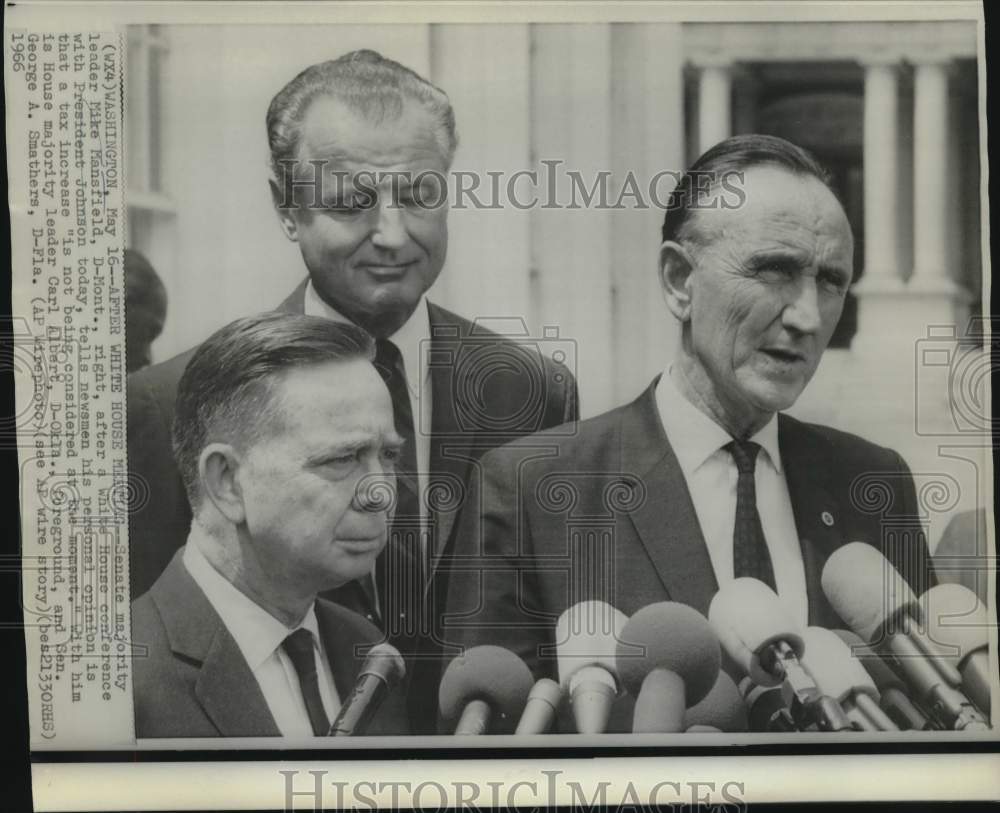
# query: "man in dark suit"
[[360, 146], [700, 480], [286, 445]]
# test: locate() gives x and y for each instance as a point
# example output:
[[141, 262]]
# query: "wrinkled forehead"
[[329, 395], [391, 134], [768, 199]]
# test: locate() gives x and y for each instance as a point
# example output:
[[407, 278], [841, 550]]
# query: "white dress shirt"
[[711, 475], [259, 636], [413, 341]]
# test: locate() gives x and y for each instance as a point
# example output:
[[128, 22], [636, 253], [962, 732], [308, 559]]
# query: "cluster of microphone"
[[906, 663]]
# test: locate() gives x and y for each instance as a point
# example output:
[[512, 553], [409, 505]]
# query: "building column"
[[930, 177], [715, 84], [881, 149]]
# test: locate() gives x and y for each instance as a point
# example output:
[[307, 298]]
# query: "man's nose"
[[389, 229], [802, 313]]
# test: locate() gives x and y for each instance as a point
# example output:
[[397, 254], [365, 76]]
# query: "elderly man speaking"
[[701, 479]]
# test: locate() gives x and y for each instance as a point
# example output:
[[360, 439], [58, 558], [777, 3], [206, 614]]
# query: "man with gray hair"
[[702, 479], [359, 150], [285, 441]]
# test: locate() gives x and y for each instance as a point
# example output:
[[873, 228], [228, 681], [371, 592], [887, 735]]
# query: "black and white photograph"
[[566, 379]]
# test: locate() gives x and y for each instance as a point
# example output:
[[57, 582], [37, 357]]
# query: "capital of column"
[[931, 57], [888, 59], [712, 60]]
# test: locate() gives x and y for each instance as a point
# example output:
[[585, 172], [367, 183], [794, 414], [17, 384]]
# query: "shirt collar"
[[412, 339], [695, 437], [257, 633]]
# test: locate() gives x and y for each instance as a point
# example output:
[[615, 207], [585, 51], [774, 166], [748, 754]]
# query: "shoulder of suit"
[[845, 447], [594, 438], [161, 378], [164, 375], [358, 627], [442, 317]]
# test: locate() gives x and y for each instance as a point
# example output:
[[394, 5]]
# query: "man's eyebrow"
[[835, 270], [393, 441], [347, 446], [336, 450], [777, 255]]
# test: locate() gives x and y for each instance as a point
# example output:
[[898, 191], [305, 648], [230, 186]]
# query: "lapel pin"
[[827, 518]]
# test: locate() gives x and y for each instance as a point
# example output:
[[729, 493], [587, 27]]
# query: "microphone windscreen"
[[672, 636], [587, 634], [384, 661], [829, 661], [723, 708], [748, 616], [659, 707], [957, 621], [489, 673], [865, 589], [541, 707], [863, 653]]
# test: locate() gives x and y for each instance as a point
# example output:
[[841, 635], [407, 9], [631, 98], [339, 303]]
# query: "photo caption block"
[[64, 132]]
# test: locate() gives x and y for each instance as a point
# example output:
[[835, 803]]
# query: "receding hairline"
[[411, 108], [273, 390], [694, 230]]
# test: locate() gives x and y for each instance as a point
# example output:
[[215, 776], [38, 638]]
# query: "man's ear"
[[284, 209], [217, 468], [676, 266]]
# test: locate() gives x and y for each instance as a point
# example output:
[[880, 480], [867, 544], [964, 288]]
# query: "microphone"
[[766, 709], [382, 671], [540, 710], [877, 603], [838, 675], [894, 700], [956, 624], [722, 709], [587, 635], [668, 659], [756, 633], [483, 689]]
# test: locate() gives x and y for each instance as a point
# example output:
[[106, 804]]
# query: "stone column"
[[930, 177], [714, 104], [881, 148]]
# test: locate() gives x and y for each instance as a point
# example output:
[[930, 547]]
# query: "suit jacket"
[[523, 391], [194, 681], [962, 553], [606, 514]]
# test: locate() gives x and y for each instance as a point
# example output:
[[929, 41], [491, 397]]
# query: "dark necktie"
[[399, 572], [750, 556], [299, 646]]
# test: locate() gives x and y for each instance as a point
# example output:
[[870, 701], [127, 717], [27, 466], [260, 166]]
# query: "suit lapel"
[[344, 661], [229, 693], [666, 520], [226, 688], [806, 458], [451, 443]]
